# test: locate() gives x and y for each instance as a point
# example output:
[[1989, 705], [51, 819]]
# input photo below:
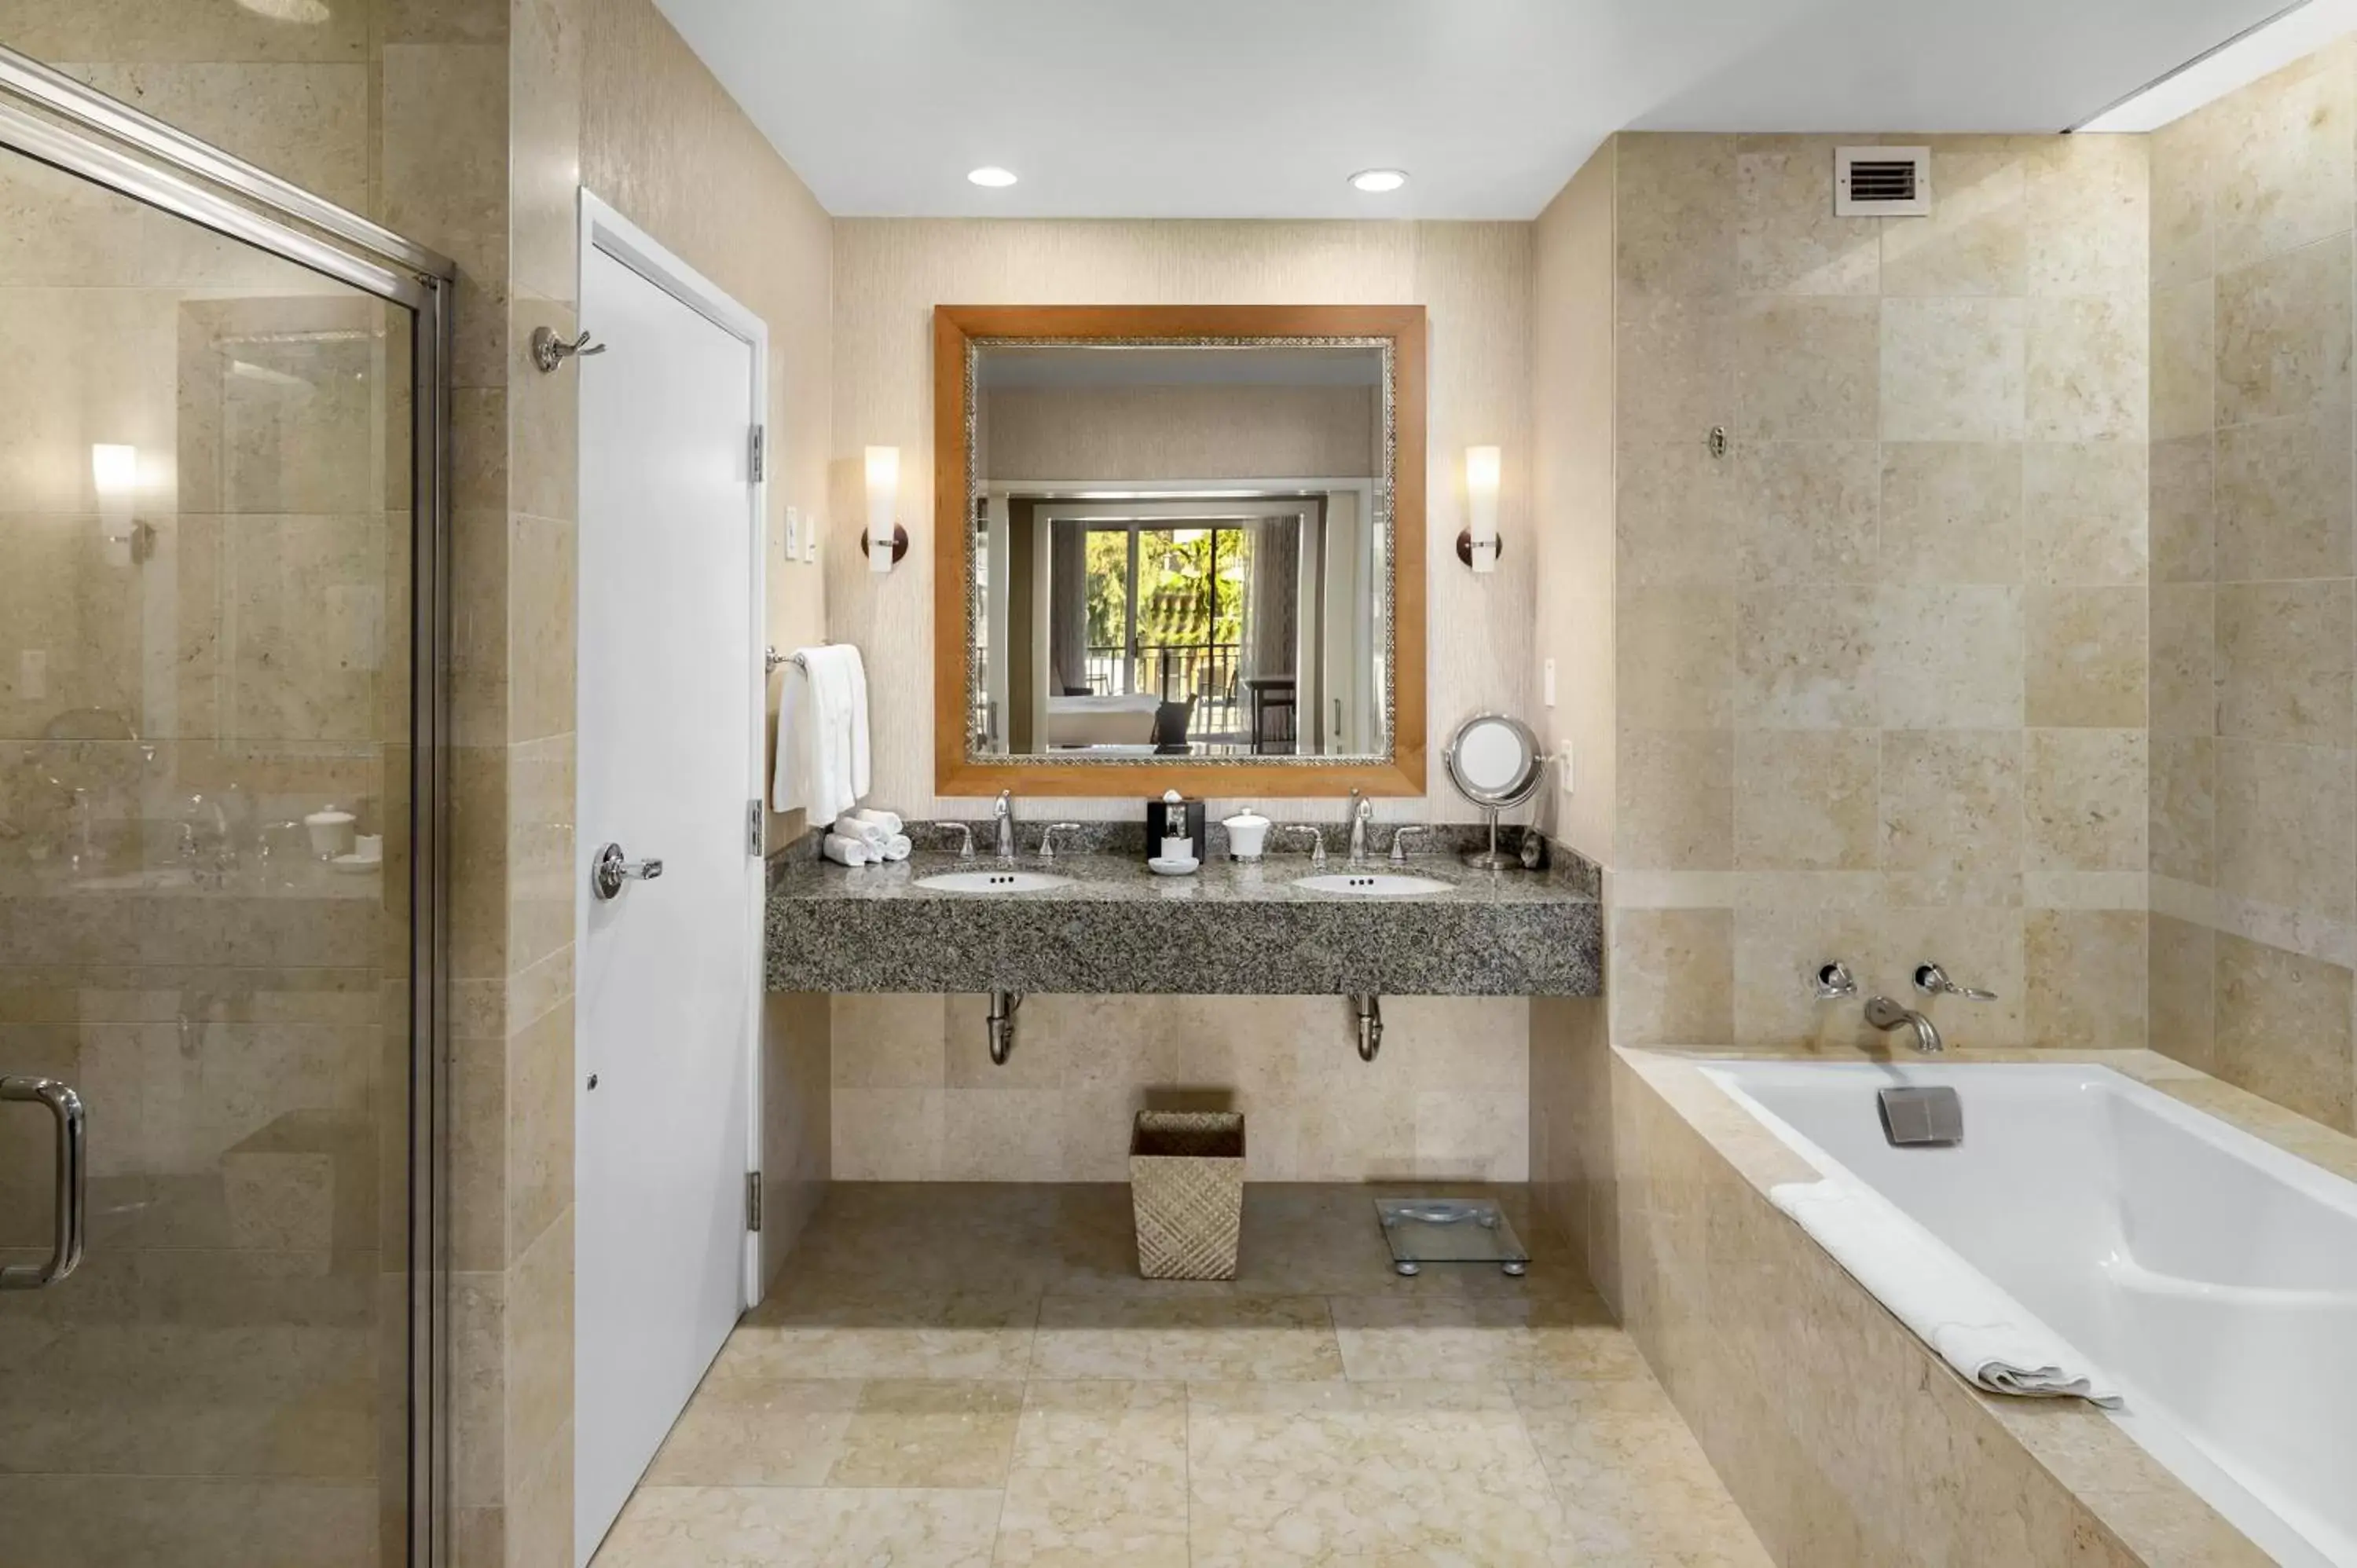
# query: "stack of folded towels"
[[867, 838]]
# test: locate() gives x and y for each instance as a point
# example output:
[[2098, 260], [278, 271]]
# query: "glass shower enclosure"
[[220, 726]]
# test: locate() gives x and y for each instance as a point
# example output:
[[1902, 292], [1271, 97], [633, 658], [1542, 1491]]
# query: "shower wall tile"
[[2252, 799], [2084, 506], [1975, 238], [2282, 497], [2087, 657], [1788, 239], [1939, 507], [2283, 334], [1687, 243], [1951, 512]]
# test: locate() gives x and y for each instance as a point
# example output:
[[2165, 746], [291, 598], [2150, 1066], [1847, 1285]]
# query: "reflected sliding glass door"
[[216, 907]]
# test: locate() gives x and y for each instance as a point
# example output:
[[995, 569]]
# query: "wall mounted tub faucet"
[[1886, 1016]]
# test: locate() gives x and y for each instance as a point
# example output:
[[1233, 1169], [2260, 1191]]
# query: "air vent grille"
[[1883, 182]]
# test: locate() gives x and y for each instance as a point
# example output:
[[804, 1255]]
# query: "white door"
[[664, 1031]]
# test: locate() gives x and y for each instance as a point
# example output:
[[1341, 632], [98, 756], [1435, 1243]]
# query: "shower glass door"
[[207, 733]]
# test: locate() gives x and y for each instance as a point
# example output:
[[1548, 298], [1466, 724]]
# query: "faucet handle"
[[1834, 982], [965, 836], [1399, 840], [1048, 837], [1933, 981]]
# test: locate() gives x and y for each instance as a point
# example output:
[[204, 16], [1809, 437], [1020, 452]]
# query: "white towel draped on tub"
[[1976, 1328], [821, 762]]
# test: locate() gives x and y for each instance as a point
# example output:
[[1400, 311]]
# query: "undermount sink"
[[1370, 885], [992, 882]]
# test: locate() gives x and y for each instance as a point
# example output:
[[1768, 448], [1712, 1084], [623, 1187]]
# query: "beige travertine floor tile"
[[911, 1433], [1100, 1476], [787, 1527], [1358, 1472], [886, 1335], [1238, 1338], [1479, 1338], [757, 1432], [1635, 1487]]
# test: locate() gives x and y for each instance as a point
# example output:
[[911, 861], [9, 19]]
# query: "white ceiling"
[[1262, 108]]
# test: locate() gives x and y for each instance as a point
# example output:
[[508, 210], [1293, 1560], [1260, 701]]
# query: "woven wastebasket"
[[1187, 1182]]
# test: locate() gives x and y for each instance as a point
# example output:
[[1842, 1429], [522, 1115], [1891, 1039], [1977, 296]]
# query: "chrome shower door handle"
[[606, 877], [72, 1177]]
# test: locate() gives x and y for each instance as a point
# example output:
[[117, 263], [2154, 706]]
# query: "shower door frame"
[[84, 132]]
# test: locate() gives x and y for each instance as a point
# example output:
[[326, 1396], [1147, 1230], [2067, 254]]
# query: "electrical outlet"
[[810, 542], [1565, 756], [1546, 679]]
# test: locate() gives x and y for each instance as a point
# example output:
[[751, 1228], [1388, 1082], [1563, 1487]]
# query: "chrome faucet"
[[1316, 839], [1885, 1015], [1047, 838], [1363, 811], [965, 837], [1004, 812]]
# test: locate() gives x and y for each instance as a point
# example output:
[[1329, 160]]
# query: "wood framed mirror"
[[1180, 547]]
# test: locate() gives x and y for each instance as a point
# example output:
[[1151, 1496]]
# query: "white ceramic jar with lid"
[[1247, 834]]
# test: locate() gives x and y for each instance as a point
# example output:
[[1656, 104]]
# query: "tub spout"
[[1885, 1015]]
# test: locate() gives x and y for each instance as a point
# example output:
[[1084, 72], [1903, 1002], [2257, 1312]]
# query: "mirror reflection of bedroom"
[[1180, 550]]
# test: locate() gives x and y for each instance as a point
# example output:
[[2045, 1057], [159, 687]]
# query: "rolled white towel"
[[897, 846], [868, 833], [847, 851], [888, 820]]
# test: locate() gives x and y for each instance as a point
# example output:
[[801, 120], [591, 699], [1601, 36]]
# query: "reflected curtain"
[[1273, 597], [1068, 606]]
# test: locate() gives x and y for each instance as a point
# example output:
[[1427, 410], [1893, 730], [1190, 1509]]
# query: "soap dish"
[[1161, 867]]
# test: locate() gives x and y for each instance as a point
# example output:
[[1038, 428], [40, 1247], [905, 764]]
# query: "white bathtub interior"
[[2211, 1275]]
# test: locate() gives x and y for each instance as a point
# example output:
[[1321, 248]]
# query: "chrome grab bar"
[[73, 1170]]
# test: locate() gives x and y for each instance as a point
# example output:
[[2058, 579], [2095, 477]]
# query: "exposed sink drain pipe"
[[1369, 1008], [1001, 1024]]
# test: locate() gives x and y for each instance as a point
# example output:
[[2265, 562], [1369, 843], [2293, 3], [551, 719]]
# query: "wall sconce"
[[114, 475], [1477, 543], [883, 502]]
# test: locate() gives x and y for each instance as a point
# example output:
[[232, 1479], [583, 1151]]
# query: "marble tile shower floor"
[[974, 1375]]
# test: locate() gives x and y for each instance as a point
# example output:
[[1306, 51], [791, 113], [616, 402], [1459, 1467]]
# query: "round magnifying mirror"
[[1493, 759]]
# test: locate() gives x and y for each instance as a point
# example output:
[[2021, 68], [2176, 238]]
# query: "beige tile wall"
[[2253, 765], [916, 1097], [1880, 669], [1472, 278]]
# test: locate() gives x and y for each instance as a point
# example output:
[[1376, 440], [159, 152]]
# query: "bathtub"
[[2212, 1276]]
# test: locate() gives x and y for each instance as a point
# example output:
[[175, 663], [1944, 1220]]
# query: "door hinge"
[[753, 828], [760, 460], [752, 1200]]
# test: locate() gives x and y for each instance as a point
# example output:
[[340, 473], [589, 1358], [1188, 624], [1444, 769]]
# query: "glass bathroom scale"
[[1421, 1230]]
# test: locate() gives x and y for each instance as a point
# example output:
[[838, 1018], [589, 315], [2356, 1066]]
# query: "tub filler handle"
[[1933, 981]]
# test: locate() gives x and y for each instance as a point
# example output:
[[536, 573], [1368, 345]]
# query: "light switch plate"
[[1546, 677], [793, 534], [810, 541], [1566, 769]]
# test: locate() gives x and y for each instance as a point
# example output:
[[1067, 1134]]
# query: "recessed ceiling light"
[[1375, 181], [992, 177]]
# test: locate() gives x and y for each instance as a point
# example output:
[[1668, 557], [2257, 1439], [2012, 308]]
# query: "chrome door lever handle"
[[1933, 981], [73, 1179], [606, 877]]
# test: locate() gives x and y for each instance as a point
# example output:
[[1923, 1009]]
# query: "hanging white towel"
[[823, 754], [1976, 1328], [847, 851]]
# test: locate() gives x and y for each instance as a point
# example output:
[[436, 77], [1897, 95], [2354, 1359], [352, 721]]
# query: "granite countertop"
[[1233, 927]]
